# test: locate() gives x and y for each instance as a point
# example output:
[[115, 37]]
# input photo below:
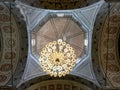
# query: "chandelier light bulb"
[[57, 58]]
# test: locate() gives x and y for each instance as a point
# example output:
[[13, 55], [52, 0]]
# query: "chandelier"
[[57, 58]]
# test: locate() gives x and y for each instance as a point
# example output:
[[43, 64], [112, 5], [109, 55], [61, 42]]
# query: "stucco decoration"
[[34, 17], [107, 47], [8, 42]]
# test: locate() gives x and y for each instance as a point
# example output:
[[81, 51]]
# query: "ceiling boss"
[[57, 58]]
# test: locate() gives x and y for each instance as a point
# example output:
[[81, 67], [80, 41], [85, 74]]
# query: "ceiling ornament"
[[10, 46], [45, 26], [107, 47], [57, 58]]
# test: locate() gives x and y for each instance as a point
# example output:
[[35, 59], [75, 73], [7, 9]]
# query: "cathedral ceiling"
[[59, 28], [8, 43], [110, 55], [11, 45], [105, 46], [99, 41]]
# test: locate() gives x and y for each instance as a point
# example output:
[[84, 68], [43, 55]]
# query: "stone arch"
[[14, 48], [99, 52], [49, 78]]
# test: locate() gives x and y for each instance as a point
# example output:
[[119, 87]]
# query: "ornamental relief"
[[7, 44], [108, 47], [1, 7], [4, 17]]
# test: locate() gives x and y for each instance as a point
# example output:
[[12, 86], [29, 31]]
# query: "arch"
[[13, 47], [49, 78], [99, 52]]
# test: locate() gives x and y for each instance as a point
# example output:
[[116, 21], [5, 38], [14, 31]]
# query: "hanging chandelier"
[[57, 58]]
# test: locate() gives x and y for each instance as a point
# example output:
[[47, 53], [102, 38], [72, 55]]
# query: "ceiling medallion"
[[57, 58]]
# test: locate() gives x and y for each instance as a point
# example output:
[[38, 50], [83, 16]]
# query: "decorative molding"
[[44, 16]]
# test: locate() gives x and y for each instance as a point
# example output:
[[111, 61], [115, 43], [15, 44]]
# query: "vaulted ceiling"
[[104, 49]]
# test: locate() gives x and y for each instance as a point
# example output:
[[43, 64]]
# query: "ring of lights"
[[57, 58]]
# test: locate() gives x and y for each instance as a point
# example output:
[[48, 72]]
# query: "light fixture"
[[57, 58]]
